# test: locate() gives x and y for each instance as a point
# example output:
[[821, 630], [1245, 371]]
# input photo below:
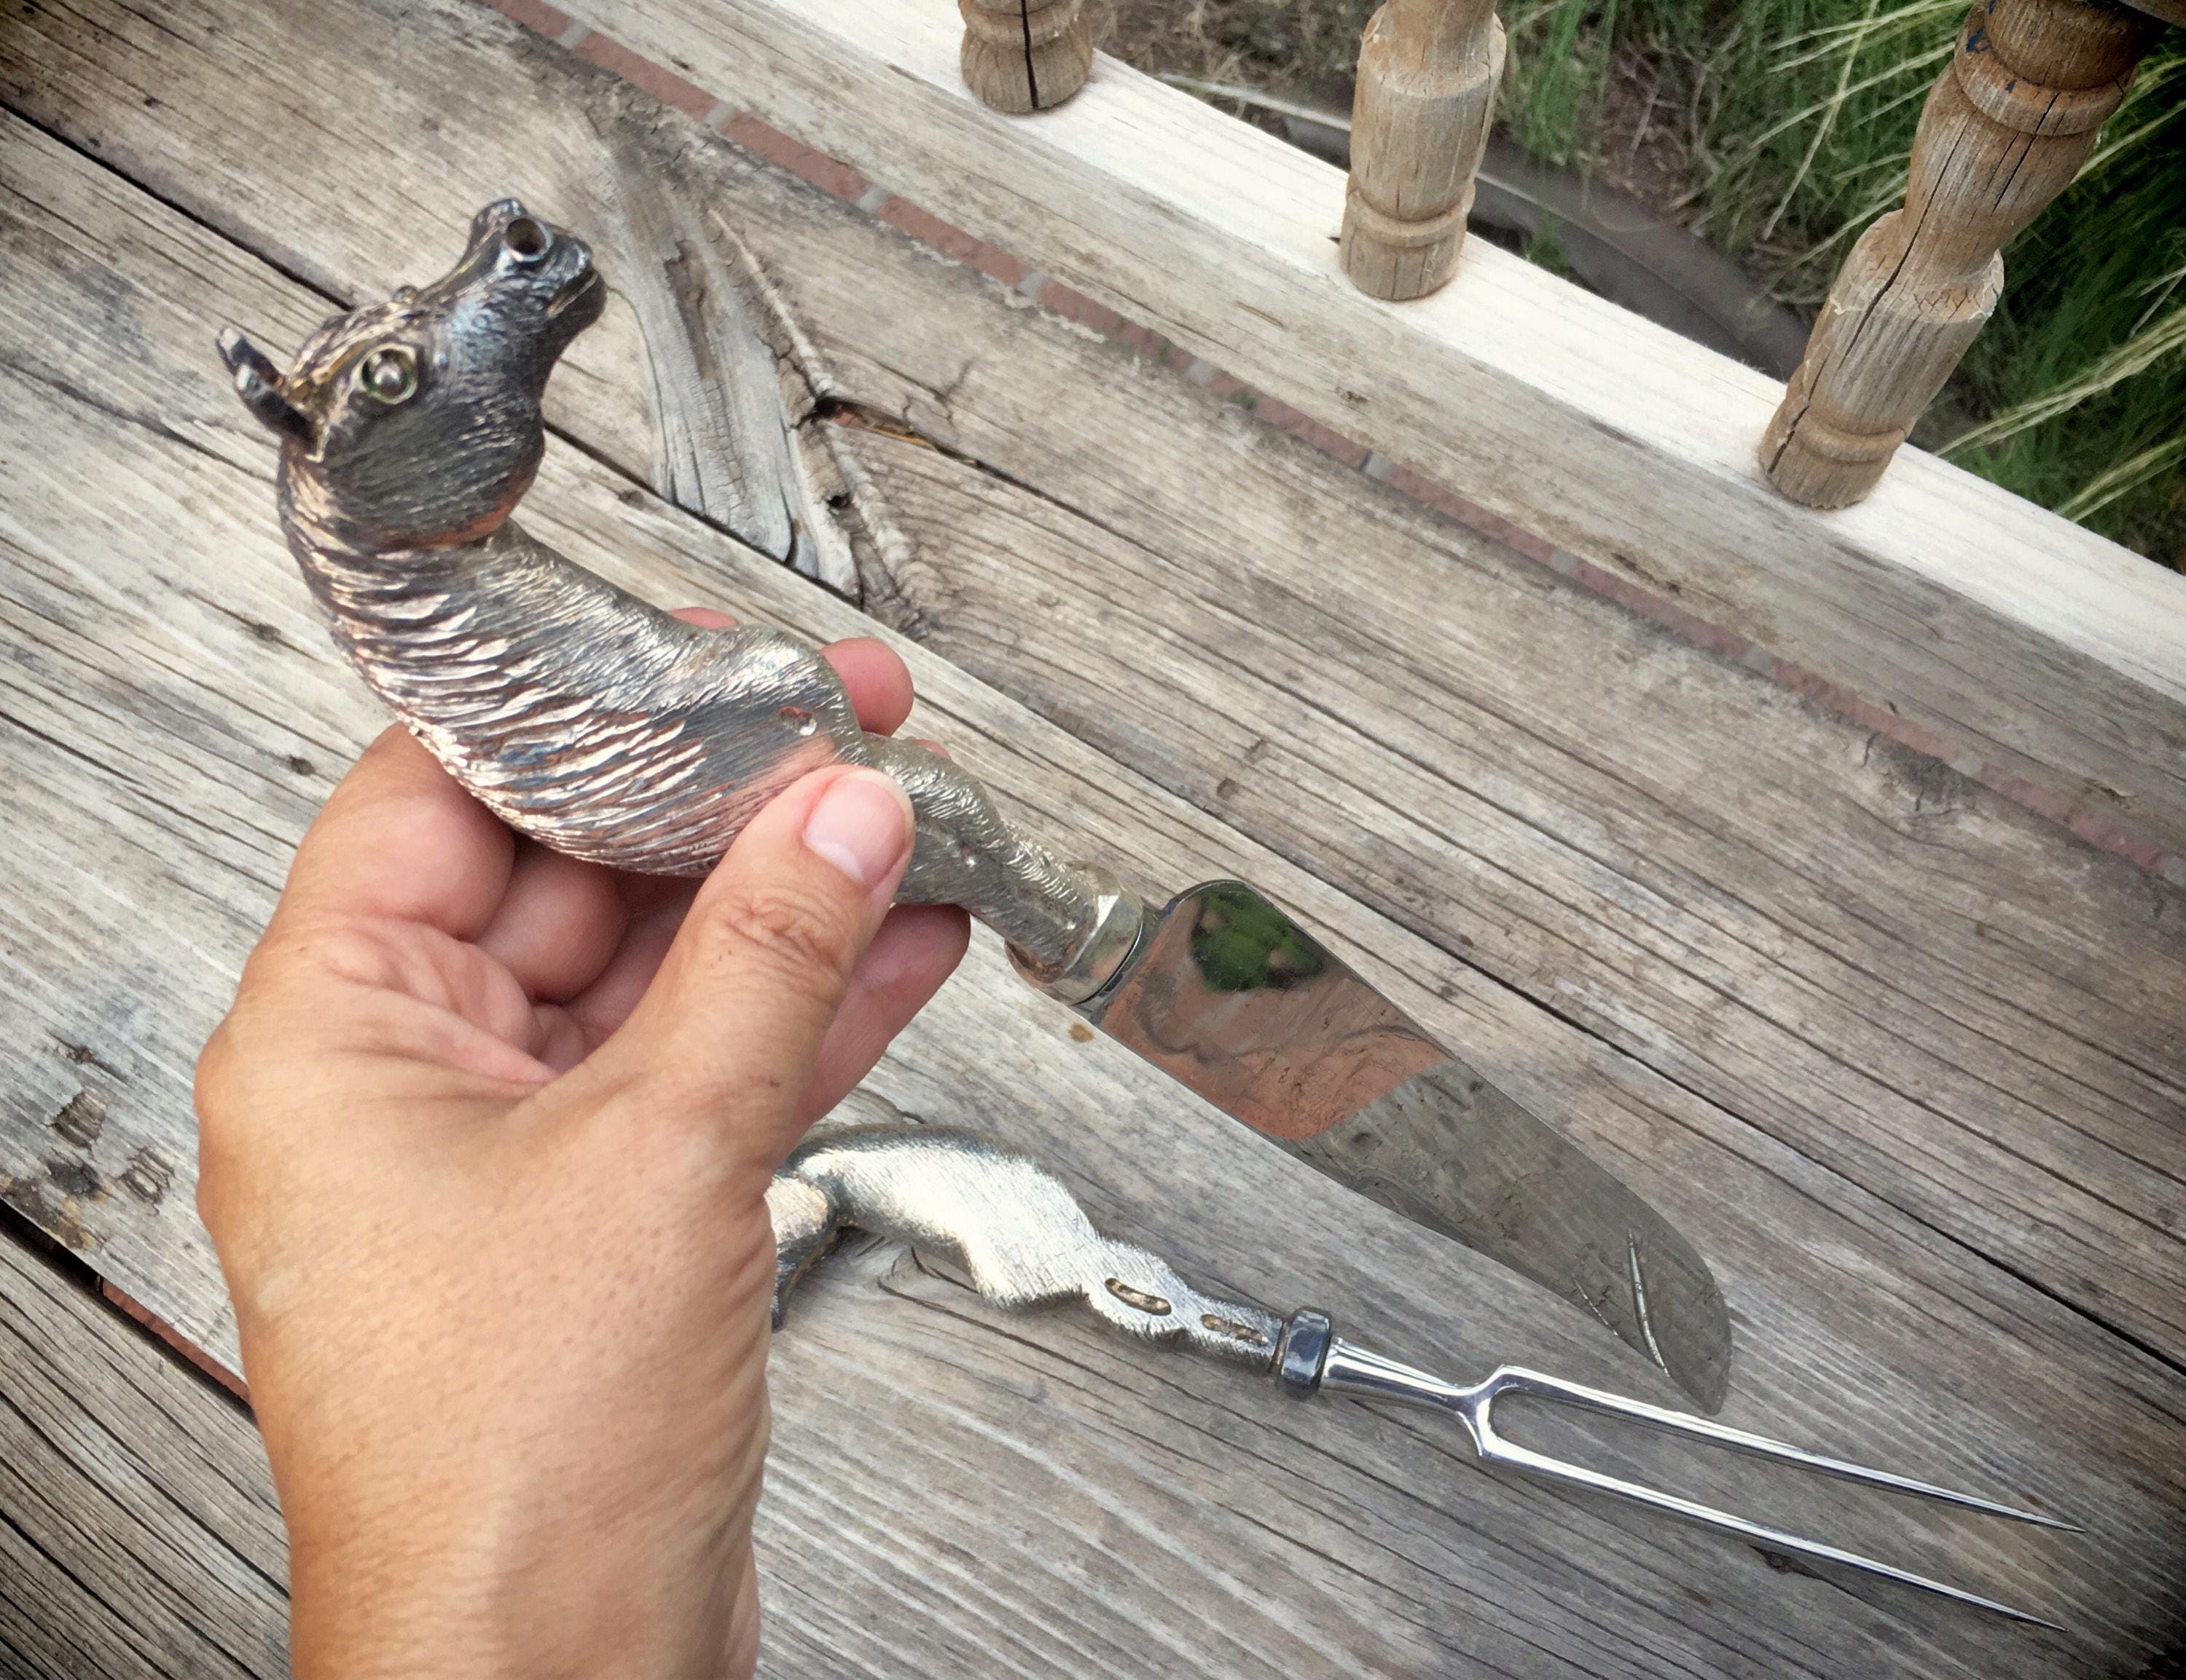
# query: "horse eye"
[[390, 373], [525, 239]]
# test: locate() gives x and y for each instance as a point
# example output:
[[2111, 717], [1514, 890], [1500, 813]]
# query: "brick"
[[952, 241], [536, 16], [1448, 503], [1077, 306], [664, 85], [1331, 444], [997, 263], [800, 160], [1147, 342]]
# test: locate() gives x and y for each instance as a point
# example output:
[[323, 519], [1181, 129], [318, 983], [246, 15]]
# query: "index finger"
[[399, 839]]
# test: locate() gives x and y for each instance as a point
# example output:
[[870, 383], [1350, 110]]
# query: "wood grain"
[[138, 1532], [1427, 75], [1898, 974], [956, 1493], [952, 1493], [1020, 56], [1853, 948], [1943, 597]]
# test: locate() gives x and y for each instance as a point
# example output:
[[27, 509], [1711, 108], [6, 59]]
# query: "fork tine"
[[1517, 1379], [1340, 1367], [1495, 1449]]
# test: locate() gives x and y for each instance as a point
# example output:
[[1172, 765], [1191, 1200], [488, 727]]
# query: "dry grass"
[[1778, 130]]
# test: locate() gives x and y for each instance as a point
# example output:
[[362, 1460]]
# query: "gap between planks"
[[1993, 622], [136, 1513], [1595, 1030], [2034, 1276]]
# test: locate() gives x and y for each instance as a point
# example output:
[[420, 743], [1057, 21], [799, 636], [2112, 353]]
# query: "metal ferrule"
[[1301, 1355], [1116, 926]]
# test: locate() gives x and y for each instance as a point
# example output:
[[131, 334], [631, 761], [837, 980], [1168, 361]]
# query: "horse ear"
[[501, 209], [258, 382]]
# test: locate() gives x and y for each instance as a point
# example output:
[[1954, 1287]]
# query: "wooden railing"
[[1427, 75], [1022, 56], [2011, 120]]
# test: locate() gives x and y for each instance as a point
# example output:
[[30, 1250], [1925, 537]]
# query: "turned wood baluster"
[[2008, 125], [1026, 55], [1427, 71]]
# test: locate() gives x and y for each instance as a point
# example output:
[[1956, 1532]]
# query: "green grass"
[[1779, 130], [1798, 115]]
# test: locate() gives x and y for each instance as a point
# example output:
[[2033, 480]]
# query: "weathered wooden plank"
[[138, 1532], [1942, 596], [1854, 947], [1845, 943], [1152, 1508], [1978, 1050]]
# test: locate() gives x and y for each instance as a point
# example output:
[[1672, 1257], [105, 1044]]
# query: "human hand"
[[484, 1144]]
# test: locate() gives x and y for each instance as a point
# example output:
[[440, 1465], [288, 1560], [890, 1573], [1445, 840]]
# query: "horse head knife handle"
[[580, 715]]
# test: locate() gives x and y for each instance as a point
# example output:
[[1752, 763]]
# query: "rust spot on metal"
[[1233, 1329], [1146, 1302]]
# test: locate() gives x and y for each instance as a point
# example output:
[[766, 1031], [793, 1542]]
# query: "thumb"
[[734, 1020]]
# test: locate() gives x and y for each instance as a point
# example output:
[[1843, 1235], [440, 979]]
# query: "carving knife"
[[1229, 996], [602, 726]]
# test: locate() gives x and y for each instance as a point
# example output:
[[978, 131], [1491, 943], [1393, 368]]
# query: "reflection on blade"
[[1452, 1151], [1232, 997]]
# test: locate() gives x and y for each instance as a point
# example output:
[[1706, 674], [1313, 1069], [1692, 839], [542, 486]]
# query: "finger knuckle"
[[215, 1067], [805, 941], [224, 1134], [356, 954], [223, 1078]]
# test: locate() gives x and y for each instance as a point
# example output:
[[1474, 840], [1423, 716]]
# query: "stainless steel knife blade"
[[1230, 996]]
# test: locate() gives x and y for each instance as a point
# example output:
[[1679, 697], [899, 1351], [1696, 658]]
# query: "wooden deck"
[[1906, 1061]]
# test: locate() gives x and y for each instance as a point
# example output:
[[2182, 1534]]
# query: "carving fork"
[[1021, 1239]]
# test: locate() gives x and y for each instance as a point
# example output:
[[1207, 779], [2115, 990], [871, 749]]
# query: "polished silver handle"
[[576, 712], [1069, 926]]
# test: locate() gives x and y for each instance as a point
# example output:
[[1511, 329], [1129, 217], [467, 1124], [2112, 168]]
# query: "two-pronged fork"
[[1021, 1239]]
